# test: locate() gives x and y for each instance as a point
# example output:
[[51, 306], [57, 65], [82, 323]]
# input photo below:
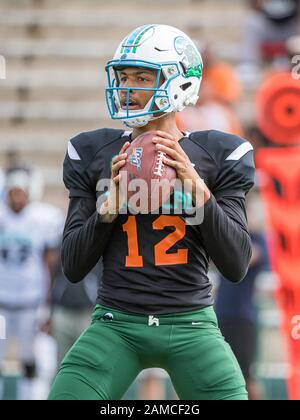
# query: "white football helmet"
[[165, 49]]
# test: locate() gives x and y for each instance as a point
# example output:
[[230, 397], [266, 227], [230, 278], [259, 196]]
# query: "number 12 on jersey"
[[161, 257]]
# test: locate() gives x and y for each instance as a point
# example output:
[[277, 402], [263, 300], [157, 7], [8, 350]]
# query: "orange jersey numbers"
[[161, 256]]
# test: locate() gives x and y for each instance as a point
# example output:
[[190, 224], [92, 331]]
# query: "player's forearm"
[[227, 240], [200, 192], [84, 242]]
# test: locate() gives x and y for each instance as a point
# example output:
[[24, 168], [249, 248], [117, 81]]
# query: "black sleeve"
[[224, 229], [225, 236], [85, 238], [236, 172]]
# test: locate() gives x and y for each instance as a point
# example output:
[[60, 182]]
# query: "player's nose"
[[127, 95]]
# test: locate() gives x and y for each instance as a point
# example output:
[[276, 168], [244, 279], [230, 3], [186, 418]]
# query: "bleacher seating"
[[55, 53]]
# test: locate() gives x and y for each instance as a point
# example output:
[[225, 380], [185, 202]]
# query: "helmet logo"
[[190, 57]]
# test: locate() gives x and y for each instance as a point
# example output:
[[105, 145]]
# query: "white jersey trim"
[[240, 151], [72, 152]]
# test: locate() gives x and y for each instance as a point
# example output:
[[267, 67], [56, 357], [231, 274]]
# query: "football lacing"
[[158, 170]]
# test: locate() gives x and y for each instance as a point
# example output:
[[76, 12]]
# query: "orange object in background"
[[209, 116], [278, 109], [220, 80], [281, 194]]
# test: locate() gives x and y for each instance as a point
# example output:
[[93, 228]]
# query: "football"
[[145, 179]]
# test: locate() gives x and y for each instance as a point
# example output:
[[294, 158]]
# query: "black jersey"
[[158, 264]]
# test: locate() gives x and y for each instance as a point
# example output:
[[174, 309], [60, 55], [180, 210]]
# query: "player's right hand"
[[110, 208], [118, 162]]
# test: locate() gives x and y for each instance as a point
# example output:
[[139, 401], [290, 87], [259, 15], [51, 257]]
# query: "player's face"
[[17, 199], [140, 78]]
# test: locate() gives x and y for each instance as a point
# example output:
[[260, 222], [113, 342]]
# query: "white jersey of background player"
[[29, 234]]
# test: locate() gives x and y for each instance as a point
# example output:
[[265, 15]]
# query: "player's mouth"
[[132, 105]]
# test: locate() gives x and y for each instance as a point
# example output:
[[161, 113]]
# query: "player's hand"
[[118, 162], [179, 160], [113, 203]]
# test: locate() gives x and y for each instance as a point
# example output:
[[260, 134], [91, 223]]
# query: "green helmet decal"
[[132, 42], [190, 57]]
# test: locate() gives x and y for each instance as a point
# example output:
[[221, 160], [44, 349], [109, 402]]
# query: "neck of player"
[[166, 123]]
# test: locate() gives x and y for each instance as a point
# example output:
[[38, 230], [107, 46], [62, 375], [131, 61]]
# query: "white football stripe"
[[72, 152], [240, 151]]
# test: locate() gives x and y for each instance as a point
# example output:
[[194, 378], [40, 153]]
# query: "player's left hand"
[[179, 160]]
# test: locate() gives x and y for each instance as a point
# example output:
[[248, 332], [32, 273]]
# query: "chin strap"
[[127, 123]]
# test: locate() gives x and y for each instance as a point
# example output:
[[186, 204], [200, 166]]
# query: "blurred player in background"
[[14, 162], [28, 256], [71, 307], [154, 306], [268, 28]]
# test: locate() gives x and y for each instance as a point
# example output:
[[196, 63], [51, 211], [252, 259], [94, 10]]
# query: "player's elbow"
[[240, 265], [72, 274], [70, 268], [235, 274], [238, 274]]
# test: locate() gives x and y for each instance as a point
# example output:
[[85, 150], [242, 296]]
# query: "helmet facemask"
[[157, 106]]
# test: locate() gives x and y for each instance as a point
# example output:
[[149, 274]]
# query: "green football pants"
[[109, 355]]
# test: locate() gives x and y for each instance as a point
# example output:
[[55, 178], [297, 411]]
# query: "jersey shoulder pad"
[[220, 145], [86, 145], [81, 151], [233, 157]]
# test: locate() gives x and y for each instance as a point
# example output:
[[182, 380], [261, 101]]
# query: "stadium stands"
[[55, 53]]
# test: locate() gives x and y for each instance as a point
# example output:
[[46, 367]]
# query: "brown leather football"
[[145, 178]]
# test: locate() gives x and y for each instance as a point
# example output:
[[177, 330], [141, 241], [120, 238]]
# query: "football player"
[[154, 306], [29, 236]]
